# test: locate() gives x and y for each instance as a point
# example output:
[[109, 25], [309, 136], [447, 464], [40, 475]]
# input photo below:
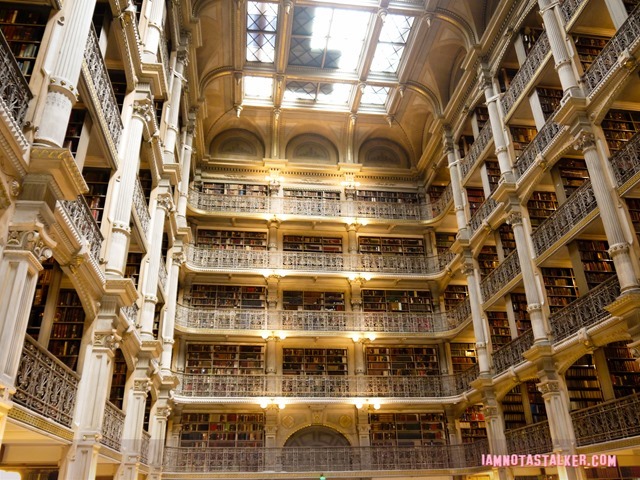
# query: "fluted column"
[[494, 421], [456, 186], [173, 112], [164, 204], [153, 32], [352, 239], [272, 242], [358, 354], [552, 19], [617, 11], [158, 419], [356, 294], [187, 152], [619, 248], [168, 322], [119, 241], [62, 91], [479, 329]]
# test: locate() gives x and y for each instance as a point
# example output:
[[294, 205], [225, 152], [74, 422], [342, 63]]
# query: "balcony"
[[613, 420], [207, 259], [501, 277], [45, 385], [484, 212], [80, 216], [569, 8], [112, 427], [140, 208], [15, 94], [626, 162], [615, 56], [475, 152], [540, 145], [511, 354], [530, 440], [323, 459]]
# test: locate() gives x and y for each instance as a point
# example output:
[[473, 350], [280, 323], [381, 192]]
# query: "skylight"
[[372, 95], [393, 39], [329, 38], [258, 87], [323, 93], [262, 22]]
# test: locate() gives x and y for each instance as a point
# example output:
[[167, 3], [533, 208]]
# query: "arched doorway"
[[317, 436]]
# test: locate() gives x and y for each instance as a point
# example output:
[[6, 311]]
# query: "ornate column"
[[351, 129], [164, 204], [158, 419], [534, 302], [352, 230], [617, 11], [81, 458], [552, 19], [62, 92], [273, 282], [119, 242], [456, 187], [173, 110], [494, 422], [168, 322], [619, 248], [273, 225], [479, 329], [185, 169], [356, 293], [153, 32], [358, 354], [275, 133]]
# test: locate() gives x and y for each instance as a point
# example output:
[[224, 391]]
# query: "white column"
[[456, 187], [173, 111], [352, 238], [478, 321], [158, 418], [168, 321], [617, 11], [153, 31], [63, 82], [164, 204], [119, 242], [185, 169]]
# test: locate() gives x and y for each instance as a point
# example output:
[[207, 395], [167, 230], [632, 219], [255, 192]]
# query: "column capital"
[[107, 340], [142, 385], [514, 218], [584, 141], [165, 201], [31, 241], [548, 387], [143, 109]]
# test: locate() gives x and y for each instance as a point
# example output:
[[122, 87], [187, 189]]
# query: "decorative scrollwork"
[[548, 386], [31, 241]]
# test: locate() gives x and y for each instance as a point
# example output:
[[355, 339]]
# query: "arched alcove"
[[380, 152], [317, 436], [237, 144], [311, 148]]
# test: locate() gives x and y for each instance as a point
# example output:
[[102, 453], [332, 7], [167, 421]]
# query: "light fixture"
[[371, 336], [376, 406], [265, 335], [282, 406], [282, 335], [264, 404], [355, 337], [359, 405]]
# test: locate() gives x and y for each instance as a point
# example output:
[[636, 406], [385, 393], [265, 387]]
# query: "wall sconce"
[[356, 337], [267, 335], [359, 404], [265, 403]]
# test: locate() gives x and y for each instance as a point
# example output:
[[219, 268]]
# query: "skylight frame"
[[262, 32], [392, 43]]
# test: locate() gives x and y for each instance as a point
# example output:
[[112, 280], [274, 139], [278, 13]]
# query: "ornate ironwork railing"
[[459, 314], [510, 354], [585, 311], [626, 162], [395, 211], [461, 380], [227, 259], [539, 145], [45, 385], [531, 65], [419, 322], [131, 312], [508, 270], [223, 319], [325, 459], [315, 207], [14, 89], [614, 54], [102, 87], [440, 204], [226, 203], [112, 426], [162, 274], [141, 208], [144, 447], [481, 214], [608, 421], [569, 7], [559, 223], [163, 52], [529, 440], [479, 144], [81, 218]]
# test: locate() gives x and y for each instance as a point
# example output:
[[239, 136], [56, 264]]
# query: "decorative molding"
[[29, 241]]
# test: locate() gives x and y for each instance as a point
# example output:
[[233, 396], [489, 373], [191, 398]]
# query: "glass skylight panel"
[[334, 93], [372, 95], [262, 22], [393, 39], [300, 91], [330, 38], [323, 93], [258, 87]]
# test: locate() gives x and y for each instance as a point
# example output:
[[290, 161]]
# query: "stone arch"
[[237, 143], [311, 148], [380, 152], [317, 436]]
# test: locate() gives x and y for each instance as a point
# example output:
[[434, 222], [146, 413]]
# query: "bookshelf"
[[487, 260], [573, 173], [481, 115], [387, 197], [68, 327], [225, 296], [74, 130], [118, 380], [541, 206], [522, 137], [391, 245], [397, 301], [505, 75], [529, 38], [311, 194], [301, 300], [513, 409], [222, 430], [314, 361], [445, 240], [23, 27], [405, 360], [623, 368], [507, 239], [633, 206], [435, 191], [630, 6], [98, 182], [119, 83], [536, 402], [560, 285], [619, 126], [519, 305], [493, 174], [36, 314], [146, 182], [614, 473], [132, 267], [464, 144], [549, 100], [582, 384], [301, 243], [598, 266], [499, 329], [222, 359], [472, 425], [234, 189], [463, 356], [475, 198], [453, 295], [231, 239], [406, 429], [588, 48]]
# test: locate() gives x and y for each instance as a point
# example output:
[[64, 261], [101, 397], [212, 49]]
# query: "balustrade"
[[165, 58], [112, 426], [223, 319], [530, 440], [162, 274], [393, 211], [14, 89], [569, 7], [83, 221], [485, 210], [209, 202], [459, 314], [580, 204], [531, 65], [466, 164], [102, 87], [608, 421], [626, 162], [144, 447], [314, 207], [131, 312], [538, 146], [586, 311], [511, 354], [141, 208], [507, 271], [45, 385], [441, 204], [227, 259], [615, 54]]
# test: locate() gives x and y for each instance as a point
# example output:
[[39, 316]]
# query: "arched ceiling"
[[350, 70]]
